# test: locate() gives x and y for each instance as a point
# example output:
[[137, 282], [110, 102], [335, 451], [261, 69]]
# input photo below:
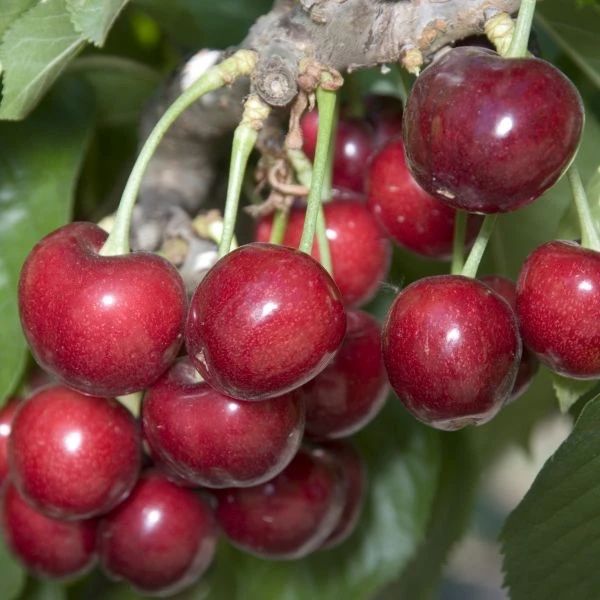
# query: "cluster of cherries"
[[278, 351]]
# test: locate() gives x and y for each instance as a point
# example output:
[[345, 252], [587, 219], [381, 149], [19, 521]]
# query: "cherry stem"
[[458, 247], [478, 250], [520, 39], [589, 232], [280, 221], [241, 63], [244, 140], [303, 169], [326, 101]]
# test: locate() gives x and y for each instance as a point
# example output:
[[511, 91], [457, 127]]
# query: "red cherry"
[[353, 388], [490, 134], [7, 415], [385, 115], [355, 473], [451, 347], [211, 440], [529, 365], [105, 325], [73, 456], [558, 304], [360, 254], [289, 516], [409, 215], [265, 320], [160, 540], [47, 547], [353, 147]]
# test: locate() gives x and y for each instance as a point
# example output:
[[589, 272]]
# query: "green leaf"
[[39, 162], [44, 590], [568, 391], [12, 575], [551, 541], [34, 51], [575, 30], [569, 225], [11, 9], [122, 86], [94, 18]]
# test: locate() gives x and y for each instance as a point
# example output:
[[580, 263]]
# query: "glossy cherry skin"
[[529, 365], [452, 348], [105, 325], [73, 456], [352, 389], [558, 304], [385, 115], [265, 320], [360, 253], [355, 473], [212, 440], [46, 546], [7, 414], [490, 134], [408, 214], [353, 147], [160, 540], [289, 516]]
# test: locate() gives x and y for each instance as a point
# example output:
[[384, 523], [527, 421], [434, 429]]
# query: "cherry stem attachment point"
[[478, 250], [589, 232], [241, 63], [520, 39], [244, 140], [326, 102], [458, 246], [280, 221]]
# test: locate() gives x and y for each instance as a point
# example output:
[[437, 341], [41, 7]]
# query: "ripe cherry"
[[105, 325], [490, 134], [355, 473], [160, 540], [451, 347], [360, 254], [558, 303], [353, 147], [352, 389], [212, 440], [7, 414], [73, 456], [265, 320], [529, 363], [409, 215], [289, 516], [46, 546]]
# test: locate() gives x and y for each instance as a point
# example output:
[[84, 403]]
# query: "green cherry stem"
[[458, 246], [244, 140], [280, 221], [589, 232], [478, 250], [520, 39], [241, 63], [323, 242], [326, 101]]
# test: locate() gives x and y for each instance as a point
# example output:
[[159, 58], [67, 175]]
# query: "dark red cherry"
[[7, 414], [352, 389], [289, 516], [355, 473], [160, 540], [46, 546], [353, 147], [385, 115], [558, 305], [265, 320], [73, 456], [360, 254], [409, 215], [212, 440], [490, 134], [529, 365], [105, 325], [451, 347]]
